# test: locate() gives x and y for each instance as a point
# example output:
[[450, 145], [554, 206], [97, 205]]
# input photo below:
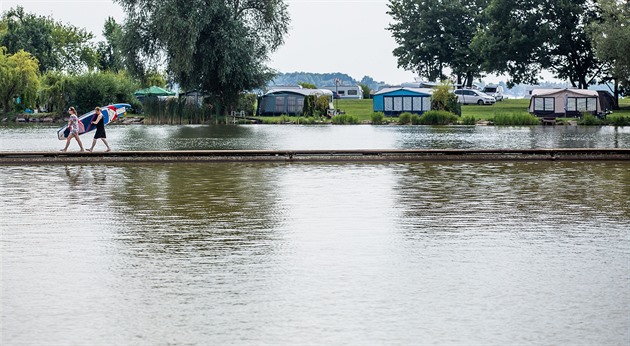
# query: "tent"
[[564, 102], [154, 91]]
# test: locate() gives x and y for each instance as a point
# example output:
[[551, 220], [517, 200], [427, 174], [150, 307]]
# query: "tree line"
[[220, 47], [582, 41], [216, 47]]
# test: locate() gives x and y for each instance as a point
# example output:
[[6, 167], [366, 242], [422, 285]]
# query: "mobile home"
[[394, 101], [288, 100], [346, 91]]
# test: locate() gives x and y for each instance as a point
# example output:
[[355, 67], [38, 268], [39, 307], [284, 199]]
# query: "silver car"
[[471, 96]]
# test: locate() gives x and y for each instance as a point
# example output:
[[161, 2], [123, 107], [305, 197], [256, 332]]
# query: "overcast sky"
[[347, 36]]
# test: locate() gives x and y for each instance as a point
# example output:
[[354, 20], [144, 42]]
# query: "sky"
[[325, 36]]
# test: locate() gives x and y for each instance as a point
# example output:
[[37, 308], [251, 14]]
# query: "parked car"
[[495, 91], [468, 96]]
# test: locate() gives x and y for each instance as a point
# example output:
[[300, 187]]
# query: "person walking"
[[100, 129], [73, 127]]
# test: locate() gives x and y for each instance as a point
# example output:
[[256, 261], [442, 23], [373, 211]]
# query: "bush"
[[247, 103], [590, 120], [174, 111], [404, 118], [438, 118], [444, 100], [344, 119], [469, 120], [618, 120], [377, 118], [415, 119], [515, 119]]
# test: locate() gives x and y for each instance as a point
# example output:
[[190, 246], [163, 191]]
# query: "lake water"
[[37, 137], [316, 253]]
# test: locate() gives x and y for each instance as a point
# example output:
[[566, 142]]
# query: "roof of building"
[[300, 91], [416, 90], [550, 92]]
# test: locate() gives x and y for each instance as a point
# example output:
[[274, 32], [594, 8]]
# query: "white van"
[[495, 91]]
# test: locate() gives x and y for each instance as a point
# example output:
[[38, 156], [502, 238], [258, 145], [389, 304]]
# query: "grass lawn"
[[363, 108]]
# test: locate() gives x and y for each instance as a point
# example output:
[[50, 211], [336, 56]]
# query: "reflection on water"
[[492, 253], [197, 137]]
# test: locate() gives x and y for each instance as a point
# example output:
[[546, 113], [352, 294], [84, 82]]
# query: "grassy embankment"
[[363, 109]]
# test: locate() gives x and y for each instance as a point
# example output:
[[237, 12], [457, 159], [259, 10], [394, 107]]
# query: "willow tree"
[[19, 77], [216, 46]]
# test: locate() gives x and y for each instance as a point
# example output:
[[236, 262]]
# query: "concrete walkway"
[[385, 155]]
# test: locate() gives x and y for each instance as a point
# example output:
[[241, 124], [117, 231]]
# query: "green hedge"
[[503, 119], [438, 118]]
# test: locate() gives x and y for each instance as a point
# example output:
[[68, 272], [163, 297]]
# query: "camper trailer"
[[564, 102], [346, 91]]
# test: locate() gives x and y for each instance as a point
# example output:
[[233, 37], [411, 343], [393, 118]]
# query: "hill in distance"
[[322, 79]]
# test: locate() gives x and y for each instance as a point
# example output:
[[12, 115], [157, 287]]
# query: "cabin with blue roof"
[[397, 100]]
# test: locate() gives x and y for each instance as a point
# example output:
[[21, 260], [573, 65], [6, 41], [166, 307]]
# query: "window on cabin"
[[545, 104], [426, 103], [292, 104], [417, 103], [407, 104], [352, 93], [397, 104], [582, 104], [388, 103], [279, 104]]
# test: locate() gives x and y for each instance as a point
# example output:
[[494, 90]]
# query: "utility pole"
[[337, 94]]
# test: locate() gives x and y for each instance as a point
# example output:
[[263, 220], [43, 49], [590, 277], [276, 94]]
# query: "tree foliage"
[[611, 40], [443, 99], [110, 51], [433, 35], [86, 91], [215, 46], [19, 77], [306, 85], [56, 46], [523, 37]]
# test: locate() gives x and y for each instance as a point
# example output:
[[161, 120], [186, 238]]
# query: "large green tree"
[[56, 46], [524, 37], [611, 40], [433, 35], [217, 46], [19, 77], [110, 54]]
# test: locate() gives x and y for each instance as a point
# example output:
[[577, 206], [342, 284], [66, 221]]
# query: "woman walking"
[[73, 127], [100, 129]]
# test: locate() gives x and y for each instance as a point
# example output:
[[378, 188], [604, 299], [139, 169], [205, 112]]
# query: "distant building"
[[397, 100], [346, 91], [288, 100]]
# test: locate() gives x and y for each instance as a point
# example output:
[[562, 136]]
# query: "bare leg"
[[93, 144], [79, 141], [106, 144], [67, 142]]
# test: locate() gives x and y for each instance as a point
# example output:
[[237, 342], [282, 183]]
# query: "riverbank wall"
[[369, 155]]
